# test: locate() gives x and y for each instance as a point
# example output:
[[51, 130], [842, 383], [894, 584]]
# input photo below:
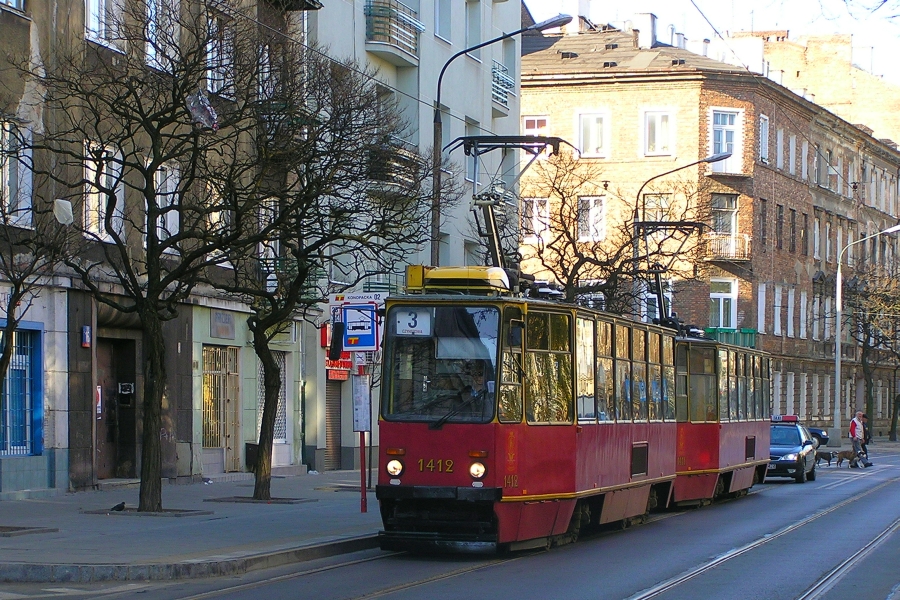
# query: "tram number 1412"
[[441, 466]]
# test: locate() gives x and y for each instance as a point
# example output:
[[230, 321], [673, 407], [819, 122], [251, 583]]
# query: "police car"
[[792, 450]]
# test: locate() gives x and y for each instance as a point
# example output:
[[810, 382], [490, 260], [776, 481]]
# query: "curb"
[[189, 569]]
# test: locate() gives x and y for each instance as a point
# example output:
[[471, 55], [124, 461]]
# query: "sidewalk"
[[209, 530]]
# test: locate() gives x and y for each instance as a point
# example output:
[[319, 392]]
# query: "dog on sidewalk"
[[848, 455], [825, 455]]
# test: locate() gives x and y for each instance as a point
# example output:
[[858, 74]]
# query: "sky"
[[876, 37]]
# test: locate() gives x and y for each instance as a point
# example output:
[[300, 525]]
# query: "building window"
[[472, 129], [591, 218], [535, 217], [763, 224], [816, 241], [828, 247], [792, 155], [790, 312], [779, 226], [657, 133], [21, 429], [162, 33], [724, 221], [20, 4], [723, 303], [804, 236], [804, 160], [473, 26], [776, 326], [726, 137], [591, 128], [103, 19], [219, 55], [792, 235], [15, 174], [167, 178], [537, 126], [816, 317], [803, 301], [104, 194], [764, 138], [761, 309], [442, 19]]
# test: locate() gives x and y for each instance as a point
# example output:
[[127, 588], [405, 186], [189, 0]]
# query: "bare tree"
[[582, 234], [340, 197]]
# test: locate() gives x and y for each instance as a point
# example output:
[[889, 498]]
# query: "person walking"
[[857, 436]]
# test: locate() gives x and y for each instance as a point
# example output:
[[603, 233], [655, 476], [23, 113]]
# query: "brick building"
[[800, 185]]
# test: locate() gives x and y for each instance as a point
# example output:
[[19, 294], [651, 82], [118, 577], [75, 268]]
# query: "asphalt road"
[[834, 538]]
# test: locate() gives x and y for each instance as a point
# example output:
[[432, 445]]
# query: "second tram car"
[[509, 422]]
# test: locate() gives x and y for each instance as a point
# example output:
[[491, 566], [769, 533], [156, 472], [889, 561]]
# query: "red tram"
[[509, 422]]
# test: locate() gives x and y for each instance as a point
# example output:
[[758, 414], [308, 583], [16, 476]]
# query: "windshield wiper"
[[455, 411]]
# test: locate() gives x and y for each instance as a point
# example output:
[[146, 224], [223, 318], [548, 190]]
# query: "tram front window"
[[441, 364]]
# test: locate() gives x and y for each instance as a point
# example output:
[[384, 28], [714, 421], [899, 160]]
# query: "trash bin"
[[251, 452]]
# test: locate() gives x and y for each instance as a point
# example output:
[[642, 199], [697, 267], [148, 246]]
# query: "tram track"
[[830, 579]]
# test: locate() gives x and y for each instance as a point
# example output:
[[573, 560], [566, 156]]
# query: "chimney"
[[634, 37], [705, 47], [679, 40], [645, 23]]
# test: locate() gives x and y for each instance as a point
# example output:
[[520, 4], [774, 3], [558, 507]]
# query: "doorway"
[[115, 409]]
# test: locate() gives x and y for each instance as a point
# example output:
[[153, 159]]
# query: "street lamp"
[[834, 436], [638, 223], [557, 21]]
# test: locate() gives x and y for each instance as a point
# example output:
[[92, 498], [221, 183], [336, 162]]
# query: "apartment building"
[[801, 183]]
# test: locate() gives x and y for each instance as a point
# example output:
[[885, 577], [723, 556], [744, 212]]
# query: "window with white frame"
[[103, 21], [15, 174], [776, 326], [219, 54], [104, 193], [591, 218], [828, 246], [761, 308], [20, 4], [825, 318], [592, 135], [817, 241], [723, 303], [651, 303], [535, 217], [472, 129], [726, 137], [537, 125], [816, 317], [658, 133], [219, 223], [792, 155], [473, 26], [804, 160], [442, 19], [803, 306], [779, 149], [167, 179], [790, 312], [764, 138], [162, 33]]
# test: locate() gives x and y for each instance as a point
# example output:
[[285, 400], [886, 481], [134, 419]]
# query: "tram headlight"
[[477, 470], [394, 468]]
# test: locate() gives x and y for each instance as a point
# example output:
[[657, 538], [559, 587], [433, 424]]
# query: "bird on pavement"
[[119, 506]]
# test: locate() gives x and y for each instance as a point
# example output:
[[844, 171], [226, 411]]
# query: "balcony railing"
[[395, 163], [391, 283], [738, 337], [394, 24], [727, 246], [501, 84]]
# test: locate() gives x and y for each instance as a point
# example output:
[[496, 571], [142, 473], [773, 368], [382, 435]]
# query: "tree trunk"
[[868, 376], [894, 417], [271, 385], [153, 349]]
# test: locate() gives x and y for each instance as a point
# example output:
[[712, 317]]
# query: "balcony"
[[501, 86], [291, 5], [389, 283], [737, 337], [392, 32], [726, 246], [393, 166]]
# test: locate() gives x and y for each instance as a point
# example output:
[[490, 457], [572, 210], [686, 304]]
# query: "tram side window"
[[741, 387], [639, 375], [732, 386], [668, 390], [723, 385], [585, 356], [606, 403], [703, 384], [654, 375], [623, 373], [548, 369], [752, 393], [510, 406], [681, 383]]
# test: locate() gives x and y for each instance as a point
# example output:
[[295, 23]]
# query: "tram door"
[[332, 425]]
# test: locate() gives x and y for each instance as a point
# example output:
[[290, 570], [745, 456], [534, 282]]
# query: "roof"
[[609, 51]]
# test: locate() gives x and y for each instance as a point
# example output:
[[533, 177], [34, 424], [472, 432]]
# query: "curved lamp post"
[[557, 21], [639, 204], [834, 436]]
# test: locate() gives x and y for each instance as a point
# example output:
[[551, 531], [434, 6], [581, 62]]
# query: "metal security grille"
[[281, 414], [220, 374], [16, 401], [332, 425]]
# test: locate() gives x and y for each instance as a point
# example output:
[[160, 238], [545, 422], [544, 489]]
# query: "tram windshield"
[[441, 364]]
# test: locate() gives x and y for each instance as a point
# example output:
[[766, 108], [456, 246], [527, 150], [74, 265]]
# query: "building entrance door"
[[221, 409], [114, 409]]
